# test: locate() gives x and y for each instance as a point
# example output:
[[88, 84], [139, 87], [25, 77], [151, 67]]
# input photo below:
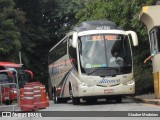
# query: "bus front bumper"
[[121, 89]]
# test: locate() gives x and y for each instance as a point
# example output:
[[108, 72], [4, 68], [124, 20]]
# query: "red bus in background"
[[12, 78], [24, 76], [8, 88]]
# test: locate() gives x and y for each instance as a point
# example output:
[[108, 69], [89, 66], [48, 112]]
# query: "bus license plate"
[[108, 91]]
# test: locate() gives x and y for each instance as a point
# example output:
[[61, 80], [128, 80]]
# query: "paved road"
[[130, 106], [102, 105]]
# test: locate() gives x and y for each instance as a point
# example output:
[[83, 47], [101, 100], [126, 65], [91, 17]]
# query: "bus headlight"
[[85, 85], [129, 83], [15, 91]]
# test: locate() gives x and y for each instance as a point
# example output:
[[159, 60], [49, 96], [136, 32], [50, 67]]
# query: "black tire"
[[8, 102], [118, 99], [50, 89], [55, 98], [63, 100], [75, 100]]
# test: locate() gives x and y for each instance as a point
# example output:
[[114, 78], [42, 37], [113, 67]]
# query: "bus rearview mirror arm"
[[74, 39], [134, 37]]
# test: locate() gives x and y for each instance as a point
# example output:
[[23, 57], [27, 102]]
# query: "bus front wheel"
[[75, 100]]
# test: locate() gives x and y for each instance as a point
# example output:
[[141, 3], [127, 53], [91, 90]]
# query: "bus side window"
[[72, 53], [4, 78]]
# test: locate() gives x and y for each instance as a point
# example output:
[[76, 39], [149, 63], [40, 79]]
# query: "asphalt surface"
[[147, 98]]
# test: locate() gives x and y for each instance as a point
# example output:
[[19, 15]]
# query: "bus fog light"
[[15, 91], [83, 84], [129, 83]]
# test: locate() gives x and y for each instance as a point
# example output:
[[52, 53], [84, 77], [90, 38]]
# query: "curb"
[[145, 100]]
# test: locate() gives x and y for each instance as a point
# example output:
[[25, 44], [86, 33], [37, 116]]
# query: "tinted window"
[[4, 78], [58, 52], [72, 54]]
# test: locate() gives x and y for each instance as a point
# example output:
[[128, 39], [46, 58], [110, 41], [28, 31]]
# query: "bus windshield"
[[4, 78], [22, 79], [105, 54]]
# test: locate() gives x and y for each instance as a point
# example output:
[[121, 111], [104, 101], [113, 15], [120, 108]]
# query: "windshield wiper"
[[112, 74], [94, 71]]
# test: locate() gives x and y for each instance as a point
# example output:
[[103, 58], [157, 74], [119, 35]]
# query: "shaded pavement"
[[147, 98]]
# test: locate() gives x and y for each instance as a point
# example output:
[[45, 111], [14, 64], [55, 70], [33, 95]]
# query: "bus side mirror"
[[30, 75], [134, 37], [13, 70], [74, 39]]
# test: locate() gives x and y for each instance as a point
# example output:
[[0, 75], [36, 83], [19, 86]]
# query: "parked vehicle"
[[12, 78], [8, 88], [23, 76]]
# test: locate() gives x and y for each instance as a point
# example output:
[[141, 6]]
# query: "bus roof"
[[10, 64], [96, 25]]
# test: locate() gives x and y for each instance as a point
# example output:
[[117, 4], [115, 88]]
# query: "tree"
[[47, 22], [35, 39], [10, 19]]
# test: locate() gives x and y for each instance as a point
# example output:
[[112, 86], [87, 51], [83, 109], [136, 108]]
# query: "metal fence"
[[9, 97]]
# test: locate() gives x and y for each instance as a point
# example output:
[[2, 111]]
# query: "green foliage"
[[9, 33], [34, 37]]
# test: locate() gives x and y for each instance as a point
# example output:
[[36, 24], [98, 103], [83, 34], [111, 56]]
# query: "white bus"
[[93, 61]]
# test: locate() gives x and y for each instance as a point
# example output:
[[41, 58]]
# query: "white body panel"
[[98, 86]]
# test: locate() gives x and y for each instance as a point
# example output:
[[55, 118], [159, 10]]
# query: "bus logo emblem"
[[109, 81]]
